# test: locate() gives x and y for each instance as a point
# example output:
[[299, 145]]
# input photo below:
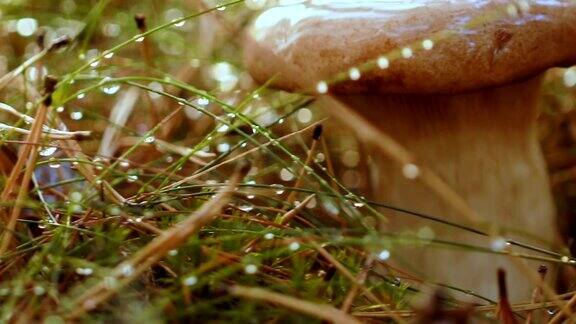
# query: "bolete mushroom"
[[456, 82]]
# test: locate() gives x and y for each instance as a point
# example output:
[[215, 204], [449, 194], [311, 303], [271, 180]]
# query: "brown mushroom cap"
[[469, 44]]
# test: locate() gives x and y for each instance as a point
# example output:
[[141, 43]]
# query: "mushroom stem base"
[[484, 145]]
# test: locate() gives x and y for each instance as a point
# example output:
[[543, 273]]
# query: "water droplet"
[[190, 281], [294, 246], [354, 74], [132, 178], [179, 23], [139, 39], [84, 271], [427, 44], [110, 88], [48, 151], [498, 244], [246, 208], [108, 55], [251, 269], [223, 128], [383, 62], [565, 259], [127, 270], [570, 77], [250, 196], [124, 164], [76, 115], [94, 63], [269, 236], [53, 163], [411, 171], [223, 147], [358, 204], [149, 139], [384, 255], [286, 175], [76, 197], [304, 115], [155, 88], [26, 26], [278, 188], [173, 252], [81, 96], [407, 52], [39, 290], [322, 87], [60, 109]]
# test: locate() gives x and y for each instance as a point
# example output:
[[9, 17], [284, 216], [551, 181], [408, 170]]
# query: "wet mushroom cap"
[[419, 46]]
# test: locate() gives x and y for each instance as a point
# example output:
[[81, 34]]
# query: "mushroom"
[[455, 82]]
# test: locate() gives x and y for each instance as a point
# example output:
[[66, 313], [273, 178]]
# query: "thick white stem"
[[483, 144]]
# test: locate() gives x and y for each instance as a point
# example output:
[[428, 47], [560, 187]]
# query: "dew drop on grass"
[[47, 151], [322, 87], [411, 171], [109, 55], [132, 178], [223, 128], [84, 271], [384, 255], [149, 139], [76, 115], [246, 207], [498, 244], [250, 196], [407, 52], [138, 38], [354, 74], [81, 96], [190, 281], [39, 290], [124, 164], [269, 236], [427, 44], [223, 147], [60, 109], [251, 269], [127, 270], [383, 62], [565, 259], [53, 163], [173, 252], [110, 89], [286, 175], [294, 246], [570, 77], [75, 196], [278, 188]]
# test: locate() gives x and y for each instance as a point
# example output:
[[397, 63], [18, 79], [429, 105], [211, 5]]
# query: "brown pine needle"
[[320, 311]]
